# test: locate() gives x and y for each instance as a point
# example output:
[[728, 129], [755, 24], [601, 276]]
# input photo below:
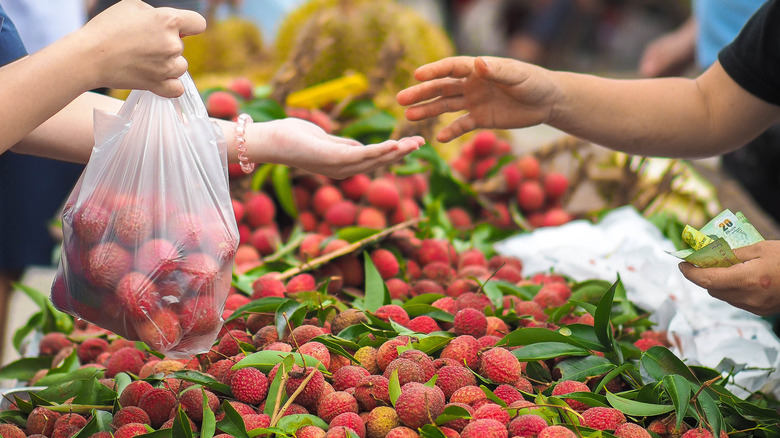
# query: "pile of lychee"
[[520, 182], [144, 269]]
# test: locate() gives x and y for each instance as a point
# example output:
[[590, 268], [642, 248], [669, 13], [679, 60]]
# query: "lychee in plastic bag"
[[149, 231]]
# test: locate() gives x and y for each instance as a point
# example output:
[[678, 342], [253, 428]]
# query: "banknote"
[[713, 244]]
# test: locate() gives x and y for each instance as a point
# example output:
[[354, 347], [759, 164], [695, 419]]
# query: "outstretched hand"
[[753, 285], [497, 93], [302, 144]]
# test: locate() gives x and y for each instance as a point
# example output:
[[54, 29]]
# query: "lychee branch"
[[321, 260], [278, 414]]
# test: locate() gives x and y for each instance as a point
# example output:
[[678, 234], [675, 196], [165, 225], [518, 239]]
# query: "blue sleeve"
[[11, 47]]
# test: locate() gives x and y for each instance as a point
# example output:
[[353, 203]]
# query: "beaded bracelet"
[[241, 122]]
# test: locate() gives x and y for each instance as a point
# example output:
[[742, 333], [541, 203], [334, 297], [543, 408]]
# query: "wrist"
[[258, 141]]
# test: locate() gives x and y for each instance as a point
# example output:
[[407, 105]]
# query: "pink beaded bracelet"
[[241, 123]]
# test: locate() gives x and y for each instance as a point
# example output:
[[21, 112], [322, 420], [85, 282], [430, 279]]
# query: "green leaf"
[[584, 367], [431, 431], [100, 422], [394, 387], [589, 291], [232, 423], [372, 128], [533, 335], [260, 175], [25, 368], [433, 342], [284, 313], [276, 390], [711, 412], [611, 375], [679, 391], [203, 380], [94, 393], [208, 425], [338, 345], [452, 412], [266, 359], [548, 350], [121, 380], [69, 364], [432, 381], [280, 178], [635, 408], [291, 423], [602, 317], [377, 294], [354, 234], [263, 305], [181, 425], [33, 323], [79, 374], [489, 394], [415, 310], [658, 362]]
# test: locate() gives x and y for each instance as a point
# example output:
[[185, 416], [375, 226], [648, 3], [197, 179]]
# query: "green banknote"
[[713, 244]]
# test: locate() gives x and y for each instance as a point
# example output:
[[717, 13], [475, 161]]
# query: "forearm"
[[672, 117]]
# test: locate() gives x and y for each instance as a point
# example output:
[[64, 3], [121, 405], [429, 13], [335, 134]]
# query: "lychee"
[[484, 428], [370, 217], [130, 414], [355, 186], [499, 365], [372, 391], [529, 167], [383, 194], [325, 197], [451, 378], [90, 222], [394, 312], [242, 86], [461, 286], [423, 324], [553, 295], [350, 420], [137, 295], [51, 343], [386, 263], [106, 264], [418, 405], [631, 430], [348, 377], [127, 359], [402, 432], [309, 431], [301, 283], [459, 217], [470, 322], [161, 331], [463, 349], [157, 403], [222, 105], [335, 403], [555, 184], [568, 386], [484, 143], [433, 250], [380, 421], [341, 214], [530, 195], [201, 271], [249, 385], [316, 350], [408, 371], [133, 224], [310, 394], [603, 418], [39, 421]]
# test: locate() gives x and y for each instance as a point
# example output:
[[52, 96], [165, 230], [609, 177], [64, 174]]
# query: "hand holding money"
[[713, 245]]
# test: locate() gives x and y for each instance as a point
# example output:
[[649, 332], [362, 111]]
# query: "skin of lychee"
[[484, 143], [555, 216], [433, 250], [527, 425], [367, 357], [426, 286], [451, 378], [508, 274], [157, 258], [408, 371], [129, 414], [499, 365], [309, 431], [631, 430], [470, 322], [106, 264], [380, 421], [161, 331], [407, 209], [303, 334], [419, 405], [350, 420], [191, 402], [67, 425], [423, 324], [440, 272], [355, 186], [492, 411], [301, 283], [335, 403], [555, 184], [201, 271], [394, 312], [341, 214], [138, 295], [40, 421], [602, 418], [316, 350], [324, 197], [89, 222], [568, 386], [126, 359], [553, 295], [133, 223], [402, 432], [266, 240], [348, 377], [463, 349], [370, 217], [130, 430], [484, 428], [383, 193], [268, 285], [556, 432], [133, 392], [310, 395], [468, 395], [157, 403], [372, 391], [347, 318], [260, 210], [51, 343], [388, 352], [386, 263]]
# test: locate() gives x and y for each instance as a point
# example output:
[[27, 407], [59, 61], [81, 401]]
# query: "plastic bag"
[[149, 233]]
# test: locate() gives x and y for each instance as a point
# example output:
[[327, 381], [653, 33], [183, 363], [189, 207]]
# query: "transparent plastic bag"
[[149, 234]]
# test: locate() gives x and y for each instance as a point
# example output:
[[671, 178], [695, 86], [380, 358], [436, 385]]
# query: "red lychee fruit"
[[408, 371], [268, 285], [334, 404], [427, 287], [316, 350], [529, 167], [51, 343], [40, 421], [460, 423], [423, 324], [325, 197], [394, 312], [508, 274], [341, 214], [130, 414], [127, 359], [355, 186], [256, 421], [266, 240], [201, 270], [402, 432], [222, 105], [440, 272], [470, 322], [484, 143], [463, 167], [419, 405], [386, 263], [556, 432], [485, 428], [301, 283], [133, 392], [162, 331], [137, 295], [90, 222], [133, 224], [527, 425], [555, 184], [350, 420], [372, 391], [157, 403], [473, 300], [398, 288], [370, 217], [483, 166], [106, 264], [530, 195], [229, 343], [242, 86], [568, 386], [382, 193], [459, 217], [407, 209], [387, 352], [512, 177], [531, 308], [553, 295], [423, 360], [309, 431], [555, 217], [433, 250], [157, 258], [130, 430], [260, 210], [499, 365], [451, 378], [191, 402], [498, 215], [631, 430], [310, 395], [199, 317], [303, 334], [603, 418], [66, 426], [508, 393], [249, 385], [463, 349], [348, 376], [468, 395]]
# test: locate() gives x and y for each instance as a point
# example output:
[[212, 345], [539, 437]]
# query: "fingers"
[[188, 22], [435, 108], [455, 67], [718, 278], [430, 90], [500, 71], [460, 126], [750, 252], [169, 88]]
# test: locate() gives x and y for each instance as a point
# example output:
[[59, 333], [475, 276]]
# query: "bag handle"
[[190, 103]]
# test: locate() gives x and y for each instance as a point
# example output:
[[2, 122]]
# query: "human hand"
[[496, 93], [753, 285], [670, 54], [132, 45], [302, 144]]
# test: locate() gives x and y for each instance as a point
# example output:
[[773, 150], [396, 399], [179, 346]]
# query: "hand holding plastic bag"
[[149, 230]]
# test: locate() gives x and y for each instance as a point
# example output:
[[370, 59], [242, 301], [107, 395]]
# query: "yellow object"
[[334, 90]]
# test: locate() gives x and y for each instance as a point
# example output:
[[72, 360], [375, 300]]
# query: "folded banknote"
[[713, 244]]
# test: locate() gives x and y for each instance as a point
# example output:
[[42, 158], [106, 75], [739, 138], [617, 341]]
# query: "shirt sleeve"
[[11, 47], [752, 60]]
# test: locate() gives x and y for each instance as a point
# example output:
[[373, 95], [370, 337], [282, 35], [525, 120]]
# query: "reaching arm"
[[672, 117]]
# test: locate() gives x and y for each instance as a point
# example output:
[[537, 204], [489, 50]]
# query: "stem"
[[294, 394]]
